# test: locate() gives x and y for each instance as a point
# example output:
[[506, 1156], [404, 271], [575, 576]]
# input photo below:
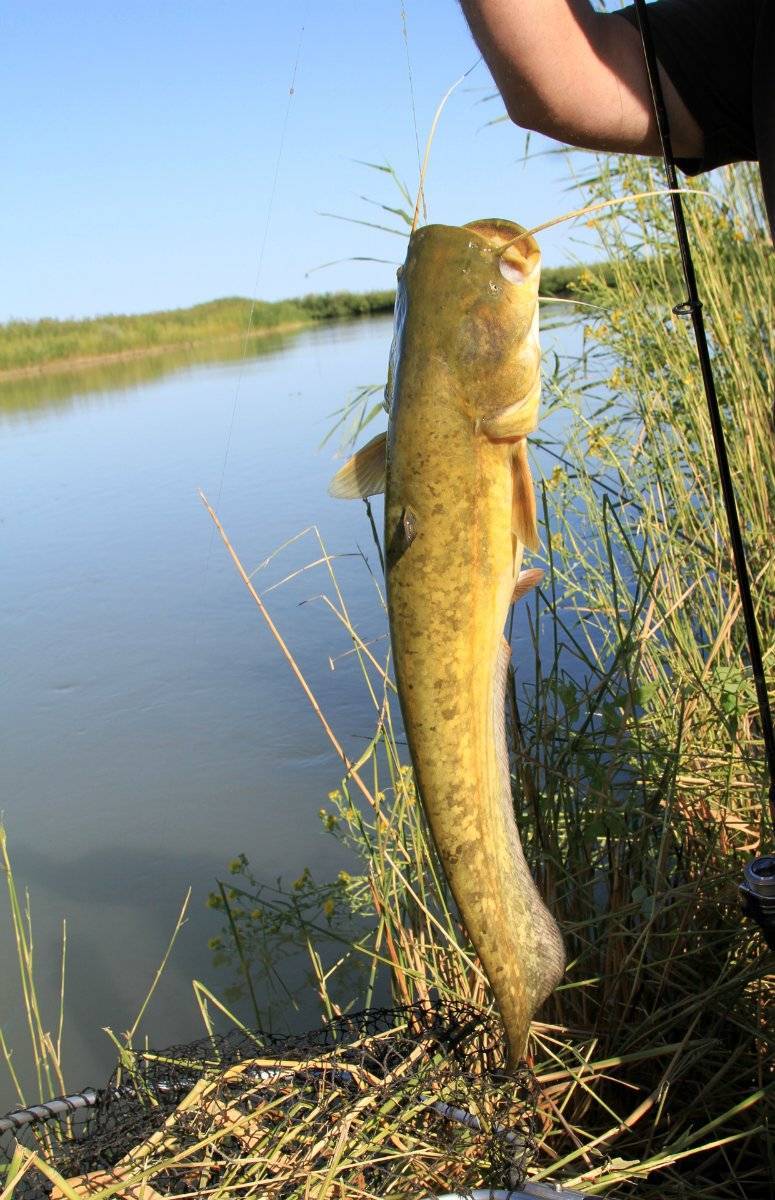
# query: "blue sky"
[[140, 142]]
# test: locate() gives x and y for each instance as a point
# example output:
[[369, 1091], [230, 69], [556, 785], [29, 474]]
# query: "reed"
[[637, 758]]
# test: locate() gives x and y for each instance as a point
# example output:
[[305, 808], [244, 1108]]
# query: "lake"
[[151, 728]]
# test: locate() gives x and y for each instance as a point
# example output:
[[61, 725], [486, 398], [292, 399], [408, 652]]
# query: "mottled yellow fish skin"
[[466, 348]]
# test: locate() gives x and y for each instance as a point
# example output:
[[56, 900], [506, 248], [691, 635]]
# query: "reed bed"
[[25, 344], [638, 773]]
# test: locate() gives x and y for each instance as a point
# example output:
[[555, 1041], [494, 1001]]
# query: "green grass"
[[39, 343], [31, 344], [563, 282], [638, 772]]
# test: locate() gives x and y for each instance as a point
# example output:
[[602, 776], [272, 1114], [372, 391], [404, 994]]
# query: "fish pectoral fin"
[[362, 475], [523, 500], [526, 582], [516, 420]]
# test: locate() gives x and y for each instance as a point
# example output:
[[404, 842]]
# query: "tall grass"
[[637, 758], [37, 343]]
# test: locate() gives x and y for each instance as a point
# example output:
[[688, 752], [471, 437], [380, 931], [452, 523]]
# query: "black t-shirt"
[[720, 56]]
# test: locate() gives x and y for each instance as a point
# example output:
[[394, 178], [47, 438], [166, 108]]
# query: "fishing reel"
[[757, 892]]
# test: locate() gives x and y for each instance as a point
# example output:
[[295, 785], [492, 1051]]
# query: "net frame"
[[376, 1102]]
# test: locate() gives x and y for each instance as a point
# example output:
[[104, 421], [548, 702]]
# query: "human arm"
[[577, 75]]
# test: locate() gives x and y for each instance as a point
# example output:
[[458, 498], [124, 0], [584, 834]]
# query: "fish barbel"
[[462, 395]]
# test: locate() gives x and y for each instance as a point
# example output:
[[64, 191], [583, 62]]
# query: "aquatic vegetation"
[[636, 763], [38, 343]]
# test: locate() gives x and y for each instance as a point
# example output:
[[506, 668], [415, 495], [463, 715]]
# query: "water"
[[151, 729]]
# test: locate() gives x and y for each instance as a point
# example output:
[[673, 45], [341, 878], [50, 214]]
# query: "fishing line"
[[262, 251], [254, 296], [758, 888], [411, 97]]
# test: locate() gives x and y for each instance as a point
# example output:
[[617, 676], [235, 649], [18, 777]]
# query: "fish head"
[[468, 297]]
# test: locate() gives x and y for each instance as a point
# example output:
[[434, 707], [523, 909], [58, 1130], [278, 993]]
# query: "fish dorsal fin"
[[523, 500], [526, 582], [362, 475]]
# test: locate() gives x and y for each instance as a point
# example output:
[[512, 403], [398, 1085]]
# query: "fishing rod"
[[758, 887]]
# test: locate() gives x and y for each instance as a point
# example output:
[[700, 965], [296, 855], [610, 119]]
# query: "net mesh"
[[403, 1101]]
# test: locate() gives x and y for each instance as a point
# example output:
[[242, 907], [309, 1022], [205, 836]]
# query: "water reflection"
[[36, 395]]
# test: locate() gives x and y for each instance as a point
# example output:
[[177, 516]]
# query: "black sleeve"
[[707, 49]]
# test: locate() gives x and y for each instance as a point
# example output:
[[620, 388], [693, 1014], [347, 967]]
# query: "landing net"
[[404, 1101]]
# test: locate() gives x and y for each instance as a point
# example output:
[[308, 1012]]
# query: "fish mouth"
[[521, 257]]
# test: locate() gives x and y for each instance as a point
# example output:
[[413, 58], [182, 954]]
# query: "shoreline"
[[195, 329], [61, 366]]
